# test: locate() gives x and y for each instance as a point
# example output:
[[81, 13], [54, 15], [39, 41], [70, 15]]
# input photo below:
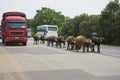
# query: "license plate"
[[17, 37]]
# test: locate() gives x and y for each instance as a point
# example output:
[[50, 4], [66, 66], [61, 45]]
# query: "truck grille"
[[16, 33]]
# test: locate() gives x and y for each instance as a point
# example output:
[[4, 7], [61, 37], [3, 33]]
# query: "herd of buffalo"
[[73, 43]]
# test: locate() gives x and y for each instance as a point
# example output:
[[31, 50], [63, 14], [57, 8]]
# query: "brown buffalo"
[[51, 40], [36, 39], [79, 42], [42, 38], [70, 42], [89, 44], [60, 40]]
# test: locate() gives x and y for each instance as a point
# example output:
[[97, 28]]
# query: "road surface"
[[40, 62]]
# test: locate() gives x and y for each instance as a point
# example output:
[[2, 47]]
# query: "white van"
[[48, 30]]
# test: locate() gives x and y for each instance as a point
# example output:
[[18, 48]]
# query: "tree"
[[90, 25], [117, 29], [117, 1], [47, 16], [108, 21], [67, 28], [32, 25], [81, 25], [77, 22]]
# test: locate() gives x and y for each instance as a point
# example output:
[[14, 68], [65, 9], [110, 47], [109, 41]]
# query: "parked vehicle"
[[29, 33], [14, 28]]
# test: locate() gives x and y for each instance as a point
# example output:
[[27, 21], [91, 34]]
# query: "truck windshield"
[[16, 24]]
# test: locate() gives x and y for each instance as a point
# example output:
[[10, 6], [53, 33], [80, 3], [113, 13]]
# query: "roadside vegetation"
[[106, 24]]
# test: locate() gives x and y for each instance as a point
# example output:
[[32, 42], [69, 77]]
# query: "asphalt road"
[[40, 62]]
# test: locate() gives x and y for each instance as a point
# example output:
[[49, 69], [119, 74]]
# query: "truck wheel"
[[24, 43]]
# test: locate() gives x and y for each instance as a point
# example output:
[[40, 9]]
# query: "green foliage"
[[46, 16], [109, 22], [90, 25], [81, 25], [77, 23], [67, 28]]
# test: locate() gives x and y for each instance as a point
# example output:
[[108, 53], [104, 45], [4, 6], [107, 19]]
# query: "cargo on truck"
[[14, 28]]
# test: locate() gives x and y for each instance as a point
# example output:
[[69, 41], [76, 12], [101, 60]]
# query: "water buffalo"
[[51, 40], [79, 42], [89, 44], [97, 41], [36, 39], [60, 40], [70, 42], [42, 38]]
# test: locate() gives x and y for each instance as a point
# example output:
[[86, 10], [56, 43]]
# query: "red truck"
[[14, 28]]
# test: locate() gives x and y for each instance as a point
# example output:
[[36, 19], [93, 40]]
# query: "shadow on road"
[[11, 44]]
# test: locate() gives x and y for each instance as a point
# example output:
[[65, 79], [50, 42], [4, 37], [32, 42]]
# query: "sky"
[[70, 8]]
